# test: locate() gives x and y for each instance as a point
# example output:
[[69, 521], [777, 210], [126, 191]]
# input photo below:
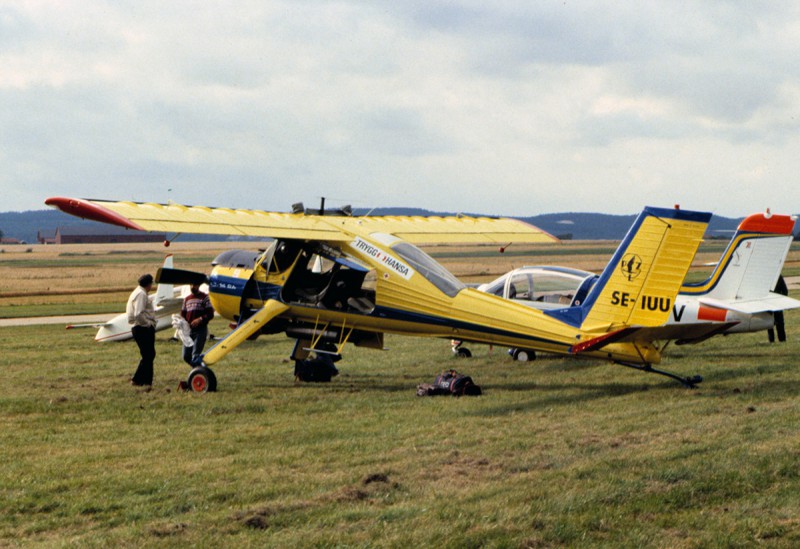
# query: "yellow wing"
[[456, 229], [174, 218]]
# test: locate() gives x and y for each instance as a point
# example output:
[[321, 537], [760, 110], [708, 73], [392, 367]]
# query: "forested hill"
[[595, 226], [577, 225], [580, 226]]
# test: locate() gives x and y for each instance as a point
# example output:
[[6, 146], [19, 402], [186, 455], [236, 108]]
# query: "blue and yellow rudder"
[[639, 285]]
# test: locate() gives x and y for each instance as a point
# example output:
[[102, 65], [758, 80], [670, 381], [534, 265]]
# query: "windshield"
[[429, 268]]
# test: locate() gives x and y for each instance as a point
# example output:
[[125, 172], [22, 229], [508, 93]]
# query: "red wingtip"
[[88, 210]]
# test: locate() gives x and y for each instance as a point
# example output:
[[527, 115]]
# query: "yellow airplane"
[[329, 280]]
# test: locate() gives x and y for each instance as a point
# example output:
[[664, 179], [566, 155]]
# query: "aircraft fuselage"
[[373, 290]]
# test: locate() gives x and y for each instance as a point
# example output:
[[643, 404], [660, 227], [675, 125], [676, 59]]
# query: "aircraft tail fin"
[[164, 291], [751, 264], [639, 285]]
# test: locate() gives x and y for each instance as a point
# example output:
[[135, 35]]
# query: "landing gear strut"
[[689, 382], [458, 350]]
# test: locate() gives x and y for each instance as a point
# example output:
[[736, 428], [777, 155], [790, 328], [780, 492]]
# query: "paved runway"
[[71, 319], [793, 282]]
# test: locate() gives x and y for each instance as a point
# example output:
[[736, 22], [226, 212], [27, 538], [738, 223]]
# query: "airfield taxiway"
[[793, 283], [70, 319]]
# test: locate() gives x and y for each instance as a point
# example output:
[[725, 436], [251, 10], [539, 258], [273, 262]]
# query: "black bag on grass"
[[450, 382]]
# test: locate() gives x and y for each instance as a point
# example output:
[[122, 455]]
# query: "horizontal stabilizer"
[[170, 302], [94, 325], [179, 276], [599, 342], [682, 333], [770, 303]]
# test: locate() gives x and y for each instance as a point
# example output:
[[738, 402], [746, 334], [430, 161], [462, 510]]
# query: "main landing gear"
[[522, 355], [689, 382], [458, 350], [201, 380]]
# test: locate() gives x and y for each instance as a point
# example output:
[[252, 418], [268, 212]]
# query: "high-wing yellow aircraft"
[[329, 280]]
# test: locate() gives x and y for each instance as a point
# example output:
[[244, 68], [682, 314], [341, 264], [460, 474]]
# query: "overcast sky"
[[510, 107]]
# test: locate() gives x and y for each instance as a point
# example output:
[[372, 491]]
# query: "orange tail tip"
[[768, 222]]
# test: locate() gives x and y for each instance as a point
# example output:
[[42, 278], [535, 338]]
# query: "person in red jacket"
[[198, 312]]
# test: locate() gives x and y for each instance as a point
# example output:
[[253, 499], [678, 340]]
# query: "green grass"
[[557, 452]]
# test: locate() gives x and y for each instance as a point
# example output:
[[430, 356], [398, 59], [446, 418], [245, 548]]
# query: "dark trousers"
[[779, 326], [146, 340], [191, 355]]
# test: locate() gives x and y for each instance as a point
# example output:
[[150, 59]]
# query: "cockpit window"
[[429, 268], [555, 288], [243, 259], [497, 287]]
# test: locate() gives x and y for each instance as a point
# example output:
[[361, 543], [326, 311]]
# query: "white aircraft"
[[739, 296], [167, 300]]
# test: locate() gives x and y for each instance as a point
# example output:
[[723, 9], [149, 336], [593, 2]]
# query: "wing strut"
[[344, 337]]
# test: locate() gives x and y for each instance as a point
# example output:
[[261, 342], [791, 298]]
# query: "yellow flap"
[[455, 229]]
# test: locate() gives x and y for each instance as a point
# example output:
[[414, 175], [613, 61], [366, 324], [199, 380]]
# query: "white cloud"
[[510, 108]]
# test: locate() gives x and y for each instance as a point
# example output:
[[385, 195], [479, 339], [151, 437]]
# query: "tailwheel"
[[522, 355], [202, 380], [463, 352], [458, 350], [689, 382]]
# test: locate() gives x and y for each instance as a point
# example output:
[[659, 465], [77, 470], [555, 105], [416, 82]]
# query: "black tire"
[[202, 380], [523, 355], [463, 352]]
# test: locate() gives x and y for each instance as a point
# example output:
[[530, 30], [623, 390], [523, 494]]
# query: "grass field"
[[557, 452]]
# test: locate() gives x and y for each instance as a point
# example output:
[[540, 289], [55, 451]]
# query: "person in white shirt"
[[141, 315]]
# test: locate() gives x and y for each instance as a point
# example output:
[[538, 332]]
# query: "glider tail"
[[164, 290], [639, 285], [751, 265]]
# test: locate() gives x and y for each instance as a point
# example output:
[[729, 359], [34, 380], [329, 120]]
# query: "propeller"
[[179, 276]]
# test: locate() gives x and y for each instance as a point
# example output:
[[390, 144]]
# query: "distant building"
[[11, 241], [41, 239], [98, 235]]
